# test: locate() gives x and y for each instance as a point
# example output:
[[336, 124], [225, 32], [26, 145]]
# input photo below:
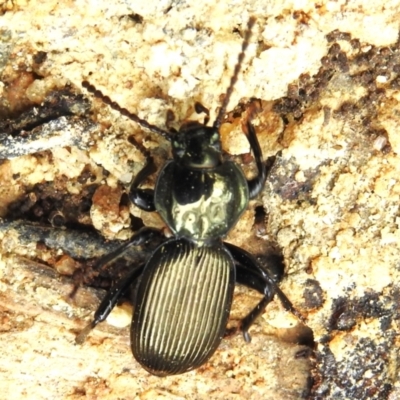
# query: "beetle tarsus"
[[83, 334], [246, 336]]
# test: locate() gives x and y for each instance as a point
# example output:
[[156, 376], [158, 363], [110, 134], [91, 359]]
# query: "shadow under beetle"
[[182, 296]]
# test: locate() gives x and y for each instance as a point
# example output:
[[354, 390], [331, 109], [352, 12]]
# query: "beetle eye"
[[215, 141], [179, 148], [214, 138]]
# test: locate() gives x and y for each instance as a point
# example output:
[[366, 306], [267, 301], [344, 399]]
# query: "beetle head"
[[197, 146]]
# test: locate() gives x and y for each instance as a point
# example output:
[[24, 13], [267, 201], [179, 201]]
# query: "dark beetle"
[[183, 294]]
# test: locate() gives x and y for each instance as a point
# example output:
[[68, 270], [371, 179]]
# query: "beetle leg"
[[142, 236], [109, 302], [259, 308], [117, 291], [249, 273], [60, 239], [256, 184], [143, 198]]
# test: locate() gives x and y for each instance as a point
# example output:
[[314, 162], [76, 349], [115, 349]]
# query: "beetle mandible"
[[182, 295]]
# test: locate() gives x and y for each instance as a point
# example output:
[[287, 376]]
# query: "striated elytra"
[[183, 294], [184, 299]]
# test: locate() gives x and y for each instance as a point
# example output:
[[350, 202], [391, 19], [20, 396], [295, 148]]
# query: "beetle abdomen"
[[182, 306]]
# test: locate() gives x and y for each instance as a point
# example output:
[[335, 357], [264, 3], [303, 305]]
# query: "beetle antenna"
[[235, 75], [115, 106]]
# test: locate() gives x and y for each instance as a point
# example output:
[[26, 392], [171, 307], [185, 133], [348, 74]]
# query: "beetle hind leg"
[[251, 317], [250, 274], [109, 302], [252, 279], [121, 287]]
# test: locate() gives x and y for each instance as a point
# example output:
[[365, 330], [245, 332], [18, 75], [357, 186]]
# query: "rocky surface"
[[326, 78]]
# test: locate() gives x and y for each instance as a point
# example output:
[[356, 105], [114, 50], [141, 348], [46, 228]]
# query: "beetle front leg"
[[257, 184], [250, 274], [143, 198]]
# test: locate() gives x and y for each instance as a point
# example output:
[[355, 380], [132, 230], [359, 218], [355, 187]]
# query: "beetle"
[[183, 294]]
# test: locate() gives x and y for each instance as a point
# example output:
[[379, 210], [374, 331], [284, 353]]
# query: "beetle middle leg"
[[250, 274], [122, 286]]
